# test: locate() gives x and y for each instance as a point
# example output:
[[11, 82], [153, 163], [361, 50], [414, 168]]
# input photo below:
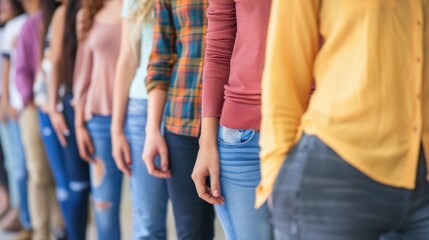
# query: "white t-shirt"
[[138, 86], [12, 30]]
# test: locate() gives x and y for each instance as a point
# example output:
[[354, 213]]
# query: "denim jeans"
[[17, 170], [7, 158], [149, 194], [106, 180], [71, 173], [194, 217], [318, 195], [239, 176]]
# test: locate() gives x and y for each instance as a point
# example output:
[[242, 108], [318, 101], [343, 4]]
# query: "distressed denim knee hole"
[[78, 186], [46, 132], [98, 172], [62, 194], [101, 205]]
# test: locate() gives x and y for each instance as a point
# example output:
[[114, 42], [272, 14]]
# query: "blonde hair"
[[142, 13]]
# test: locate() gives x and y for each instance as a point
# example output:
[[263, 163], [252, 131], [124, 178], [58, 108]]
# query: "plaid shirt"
[[176, 62]]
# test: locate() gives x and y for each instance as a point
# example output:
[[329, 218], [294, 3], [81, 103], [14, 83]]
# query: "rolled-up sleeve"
[[27, 57], [163, 54], [221, 35]]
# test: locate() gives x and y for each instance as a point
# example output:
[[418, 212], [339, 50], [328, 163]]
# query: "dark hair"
[[91, 8], [69, 46], [48, 9], [17, 6]]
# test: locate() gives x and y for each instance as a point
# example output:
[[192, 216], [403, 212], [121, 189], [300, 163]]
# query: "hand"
[[60, 126], [207, 165], [121, 152], [84, 143], [155, 145], [8, 110], [3, 116]]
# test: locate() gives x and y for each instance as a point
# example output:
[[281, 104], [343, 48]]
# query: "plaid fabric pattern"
[[176, 62]]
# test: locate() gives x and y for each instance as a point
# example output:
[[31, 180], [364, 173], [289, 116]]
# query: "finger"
[[89, 151], [153, 170], [125, 164], [203, 191], [120, 163], [61, 138], [127, 155], [164, 160], [215, 184]]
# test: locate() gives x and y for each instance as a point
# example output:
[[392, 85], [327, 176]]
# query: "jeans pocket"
[[235, 137]]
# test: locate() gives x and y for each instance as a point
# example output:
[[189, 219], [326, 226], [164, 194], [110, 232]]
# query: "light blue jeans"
[[17, 170], [106, 180], [239, 176], [8, 158], [149, 194]]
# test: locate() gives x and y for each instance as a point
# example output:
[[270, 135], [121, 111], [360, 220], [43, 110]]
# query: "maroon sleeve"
[[221, 32]]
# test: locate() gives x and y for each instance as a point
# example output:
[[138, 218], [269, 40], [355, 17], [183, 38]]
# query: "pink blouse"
[[95, 70]]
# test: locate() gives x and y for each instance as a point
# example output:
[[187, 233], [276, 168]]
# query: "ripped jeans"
[[71, 173], [106, 180]]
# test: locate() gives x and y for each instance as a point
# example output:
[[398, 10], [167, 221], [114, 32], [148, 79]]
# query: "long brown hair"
[[69, 45], [90, 8], [48, 8]]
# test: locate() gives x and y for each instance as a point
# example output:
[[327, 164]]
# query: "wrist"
[[208, 142]]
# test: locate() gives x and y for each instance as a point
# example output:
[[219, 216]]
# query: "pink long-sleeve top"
[[95, 70], [234, 61]]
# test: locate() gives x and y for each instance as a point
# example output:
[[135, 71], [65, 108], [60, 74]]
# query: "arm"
[[159, 70], [125, 71], [287, 80], [56, 47], [221, 32], [163, 54], [27, 58], [82, 80], [12, 113]]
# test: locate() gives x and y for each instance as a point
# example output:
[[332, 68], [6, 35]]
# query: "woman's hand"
[[155, 145], [121, 152], [84, 143], [59, 124], [207, 165]]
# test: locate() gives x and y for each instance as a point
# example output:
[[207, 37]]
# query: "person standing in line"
[[149, 194], [173, 83], [9, 191], [12, 104], [351, 162], [71, 175], [231, 111], [45, 212], [93, 102]]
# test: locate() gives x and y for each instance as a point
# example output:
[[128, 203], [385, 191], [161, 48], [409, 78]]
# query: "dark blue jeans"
[[70, 172], [194, 217], [320, 196]]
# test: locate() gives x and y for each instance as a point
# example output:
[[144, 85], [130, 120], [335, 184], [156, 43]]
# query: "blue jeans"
[[17, 169], [194, 217], [106, 180], [239, 176], [320, 196], [149, 194], [7, 160], [71, 173]]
